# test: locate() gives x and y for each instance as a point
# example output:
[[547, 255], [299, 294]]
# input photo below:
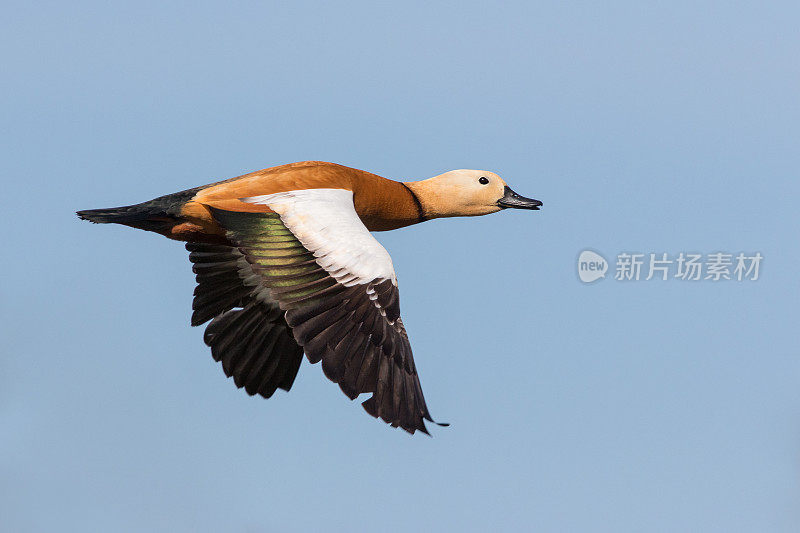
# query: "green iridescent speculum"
[[288, 267]]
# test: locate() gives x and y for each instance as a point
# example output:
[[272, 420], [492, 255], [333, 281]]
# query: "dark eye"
[[483, 180]]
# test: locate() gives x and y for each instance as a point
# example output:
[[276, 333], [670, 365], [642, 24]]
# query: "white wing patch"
[[326, 223]]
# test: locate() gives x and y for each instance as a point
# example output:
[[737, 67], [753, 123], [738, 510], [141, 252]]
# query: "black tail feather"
[[149, 215], [116, 215]]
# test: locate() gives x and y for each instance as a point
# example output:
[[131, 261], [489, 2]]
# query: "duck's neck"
[[427, 194], [384, 204]]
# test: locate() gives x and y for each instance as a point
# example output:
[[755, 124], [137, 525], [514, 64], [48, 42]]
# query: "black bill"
[[515, 201]]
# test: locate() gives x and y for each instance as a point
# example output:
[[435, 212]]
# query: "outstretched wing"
[[337, 286]]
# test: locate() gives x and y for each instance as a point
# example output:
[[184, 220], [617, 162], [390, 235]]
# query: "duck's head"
[[466, 193]]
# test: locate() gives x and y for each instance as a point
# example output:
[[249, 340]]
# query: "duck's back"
[[381, 203]]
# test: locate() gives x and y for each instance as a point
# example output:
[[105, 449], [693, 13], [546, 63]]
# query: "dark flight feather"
[[248, 333]]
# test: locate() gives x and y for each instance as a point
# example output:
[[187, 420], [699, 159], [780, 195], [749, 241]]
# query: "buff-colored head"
[[467, 193]]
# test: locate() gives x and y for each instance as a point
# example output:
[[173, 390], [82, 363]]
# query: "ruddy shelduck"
[[285, 264]]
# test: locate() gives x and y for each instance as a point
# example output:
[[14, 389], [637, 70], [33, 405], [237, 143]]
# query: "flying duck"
[[285, 264]]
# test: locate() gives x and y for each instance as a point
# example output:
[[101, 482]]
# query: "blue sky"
[[640, 406]]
